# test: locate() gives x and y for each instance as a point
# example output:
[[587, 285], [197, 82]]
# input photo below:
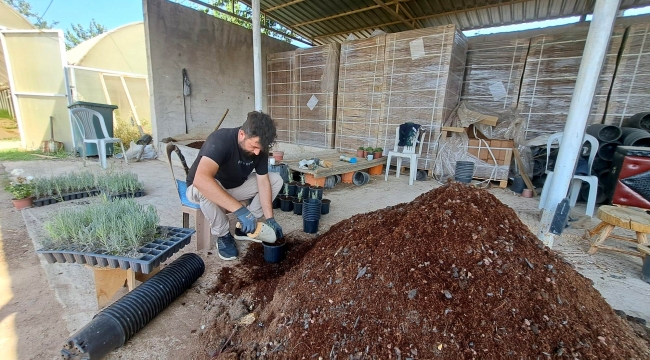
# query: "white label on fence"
[[311, 104], [417, 48], [498, 91]]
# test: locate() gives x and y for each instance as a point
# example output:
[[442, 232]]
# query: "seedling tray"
[[64, 197], [126, 195], [152, 254]]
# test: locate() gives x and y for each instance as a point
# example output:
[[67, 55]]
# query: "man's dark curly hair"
[[260, 124]]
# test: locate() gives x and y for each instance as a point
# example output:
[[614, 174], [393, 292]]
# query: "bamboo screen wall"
[[493, 73]]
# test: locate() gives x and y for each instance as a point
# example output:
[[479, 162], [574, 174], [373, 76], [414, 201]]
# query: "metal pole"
[[257, 54], [593, 57]]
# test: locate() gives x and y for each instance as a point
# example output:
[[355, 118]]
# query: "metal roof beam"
[[425, 17], [283, 5], [396, 15], [349, 13], [216, 8], [292, 28]]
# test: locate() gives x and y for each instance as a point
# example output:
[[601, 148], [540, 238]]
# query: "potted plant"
[[297, 204], [360, 151], [303, 187], [286, 201], [317, 190], [378, 153], [293, 187], [22, 192], [311, 209]]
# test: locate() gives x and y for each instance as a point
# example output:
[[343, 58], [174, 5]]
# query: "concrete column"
[[257, 54], [593, 57]]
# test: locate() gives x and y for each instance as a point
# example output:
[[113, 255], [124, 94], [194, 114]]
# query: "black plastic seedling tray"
[[153, 253], [126, 195], [65, 197]]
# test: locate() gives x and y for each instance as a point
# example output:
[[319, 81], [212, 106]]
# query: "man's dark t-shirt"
[[234, 165]]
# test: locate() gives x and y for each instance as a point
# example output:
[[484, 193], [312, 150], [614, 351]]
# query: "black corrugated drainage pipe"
[[116, 324]]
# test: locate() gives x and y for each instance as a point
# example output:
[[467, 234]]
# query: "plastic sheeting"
[[630, 93], [549, 79], [493, 72], [301, 94]]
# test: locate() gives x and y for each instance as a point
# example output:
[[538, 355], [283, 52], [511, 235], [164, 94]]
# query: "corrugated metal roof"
[[325, 21]]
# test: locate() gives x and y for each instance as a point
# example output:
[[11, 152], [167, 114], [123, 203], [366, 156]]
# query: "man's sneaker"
[[227, 248]]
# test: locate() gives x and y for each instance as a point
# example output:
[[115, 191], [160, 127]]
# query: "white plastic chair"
[[576, 183], [408, 152], [83, 118]]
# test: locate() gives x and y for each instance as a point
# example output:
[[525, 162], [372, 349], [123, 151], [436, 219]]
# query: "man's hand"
[[276, 227], [247, 220]]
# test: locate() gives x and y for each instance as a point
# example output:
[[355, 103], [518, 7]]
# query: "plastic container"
[[286, 203], [360, 178], [604, 133], [316, 191], [297, 207], [325, 206], [518, 184], [464, 171], [639, 120], [310, 226], [421, 175], [606, 151], [274, 253], [635, 137], [107, 113], [293, 188]]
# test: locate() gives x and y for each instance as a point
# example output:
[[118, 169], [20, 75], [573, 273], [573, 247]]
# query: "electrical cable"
[[46, 9]]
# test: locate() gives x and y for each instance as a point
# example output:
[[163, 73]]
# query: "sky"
[[110, 13]]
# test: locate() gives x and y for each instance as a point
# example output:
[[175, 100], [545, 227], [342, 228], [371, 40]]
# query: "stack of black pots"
[[634, 131]]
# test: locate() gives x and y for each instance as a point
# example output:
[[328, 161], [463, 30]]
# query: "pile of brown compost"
[[452, 274]]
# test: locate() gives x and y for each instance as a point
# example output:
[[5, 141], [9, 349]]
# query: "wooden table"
[[626, 218], [338, 166]]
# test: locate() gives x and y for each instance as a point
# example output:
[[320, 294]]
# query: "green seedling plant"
[[369, 149], [380, 150], [286, 189], [299, 196], [113, 227], [302, 179], [314, 195]]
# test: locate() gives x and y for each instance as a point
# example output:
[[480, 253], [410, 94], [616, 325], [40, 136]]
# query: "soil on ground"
[[452, 274], [8, 129]]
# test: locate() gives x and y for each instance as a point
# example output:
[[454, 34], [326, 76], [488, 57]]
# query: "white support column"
[[593, 57], [257, 54]]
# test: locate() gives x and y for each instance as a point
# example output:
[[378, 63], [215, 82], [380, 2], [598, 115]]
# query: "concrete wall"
[[218, 56]]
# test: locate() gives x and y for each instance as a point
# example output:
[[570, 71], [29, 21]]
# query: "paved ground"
[[41, 304]]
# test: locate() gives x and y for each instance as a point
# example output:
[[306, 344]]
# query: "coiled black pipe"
[[635, 137], [116, 324], [639, 120], [604, 133]]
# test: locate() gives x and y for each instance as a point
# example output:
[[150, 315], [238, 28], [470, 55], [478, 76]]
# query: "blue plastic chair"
[[202, 225]]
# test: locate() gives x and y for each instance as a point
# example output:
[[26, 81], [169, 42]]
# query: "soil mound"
[[453, 274]]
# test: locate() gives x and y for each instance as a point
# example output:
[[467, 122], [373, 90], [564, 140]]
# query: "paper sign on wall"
[[311, 104], [417, 48], [498, 91]]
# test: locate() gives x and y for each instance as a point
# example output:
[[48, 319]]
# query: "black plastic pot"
[[116, 324], [311, 209], [304, 189], [601, 196], [606, 151], [274, 252], [276, 203], [325, 206], [421, 175], [645, 270], [518, 184], [360, 178], [639, 120], [635, 137], [604, 133], [464, 171], [293, 188], [310, 226], [286, 203], [316, 191], [297, 207]]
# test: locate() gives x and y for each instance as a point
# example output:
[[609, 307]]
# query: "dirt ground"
[[51, 301]]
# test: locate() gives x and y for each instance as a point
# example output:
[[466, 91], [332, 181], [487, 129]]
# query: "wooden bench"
[[625, 218]]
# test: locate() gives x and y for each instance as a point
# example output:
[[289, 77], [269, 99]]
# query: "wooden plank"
[[339, 167], [107, 283], [453, 129], [529, 184], [611, 248]]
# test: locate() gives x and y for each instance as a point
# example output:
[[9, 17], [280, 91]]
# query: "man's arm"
[[264, 188], [205, 182]]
